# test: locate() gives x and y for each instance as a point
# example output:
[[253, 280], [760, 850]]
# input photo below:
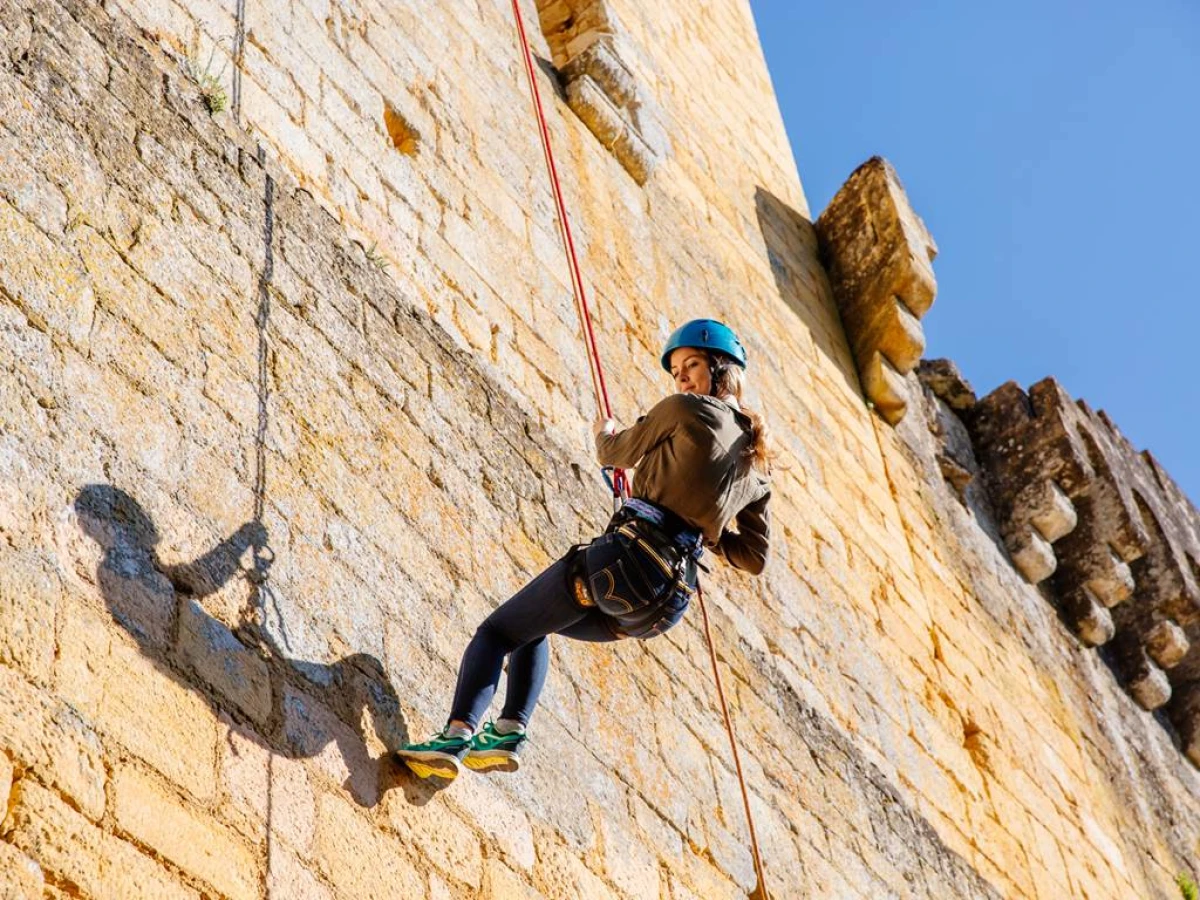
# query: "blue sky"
[[1051, 148]]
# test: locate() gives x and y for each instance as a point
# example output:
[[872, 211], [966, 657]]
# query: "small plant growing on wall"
[[209, 82], [375, 258], [1187, 886]]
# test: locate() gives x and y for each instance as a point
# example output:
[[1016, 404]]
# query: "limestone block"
[[33, 195], [455, 848], [560, 873], [635, 155], [219, 659], [20, 877], [1090, 619], [1149, 686], [892, 330], [158, 818], [593, 54], [595, 109], [29, 599], [1045, 506], [943, 377], [884, 387], [1032, 555], [139, 704], [1167, 643], [47, 283], [502, 883], [340, 752], [288, 876], [293, 804], [571, 26], [500, 820], [877, 253], [246, 778], [599, 62], [45, 735], [69, 847], [345, 839], [1109, 579]]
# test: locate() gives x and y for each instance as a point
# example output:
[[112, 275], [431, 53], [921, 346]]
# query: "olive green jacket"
[[689, 455]]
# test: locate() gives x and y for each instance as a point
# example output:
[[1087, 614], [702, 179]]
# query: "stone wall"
[[287, 408]]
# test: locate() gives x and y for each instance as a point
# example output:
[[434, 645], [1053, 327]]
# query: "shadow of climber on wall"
[[293, 708]]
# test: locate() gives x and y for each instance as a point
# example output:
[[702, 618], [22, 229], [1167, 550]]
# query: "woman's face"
[[689, 368]]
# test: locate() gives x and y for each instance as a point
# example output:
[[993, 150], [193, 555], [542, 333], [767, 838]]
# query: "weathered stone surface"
[[137, 704], [30, 592], [346, 839], [943, 377], [48, 737], [503, 883], [20, 877], [610, 127], [588, 43], [336, 468], [70, 848], [884, 387], [1167, 643], [157, 818], [222, 661], [454, 847], [1127, 568], [878, 254], [289, 876]]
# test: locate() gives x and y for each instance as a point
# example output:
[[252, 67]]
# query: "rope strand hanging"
[[619, 483]]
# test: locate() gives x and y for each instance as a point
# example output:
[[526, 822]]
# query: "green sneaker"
[[491, 751], [437, 757]]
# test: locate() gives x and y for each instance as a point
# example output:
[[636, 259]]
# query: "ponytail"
[[729, 380]]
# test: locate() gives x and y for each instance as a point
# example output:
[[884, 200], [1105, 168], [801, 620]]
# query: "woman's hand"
[[603, 425]]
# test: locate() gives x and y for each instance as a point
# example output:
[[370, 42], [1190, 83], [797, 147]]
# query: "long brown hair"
[[730, 378]]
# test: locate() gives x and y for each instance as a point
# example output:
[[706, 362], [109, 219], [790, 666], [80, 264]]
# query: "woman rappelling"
[[702, 462]]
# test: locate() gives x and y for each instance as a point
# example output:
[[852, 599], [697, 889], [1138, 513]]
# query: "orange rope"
[[620, 483], [737, 760]]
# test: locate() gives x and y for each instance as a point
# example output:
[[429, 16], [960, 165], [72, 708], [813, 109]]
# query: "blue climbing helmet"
[[707, 334]]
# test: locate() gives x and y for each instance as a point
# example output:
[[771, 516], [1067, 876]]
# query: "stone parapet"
[[1107, 530], [878, 254]]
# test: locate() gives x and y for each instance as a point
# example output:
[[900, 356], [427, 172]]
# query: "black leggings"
[[519, 629]]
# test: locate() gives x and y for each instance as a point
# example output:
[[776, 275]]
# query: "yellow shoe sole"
[[432, 767], [492, 761]]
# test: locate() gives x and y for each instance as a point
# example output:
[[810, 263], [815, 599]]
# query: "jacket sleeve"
[[626, 448], [747, 548]]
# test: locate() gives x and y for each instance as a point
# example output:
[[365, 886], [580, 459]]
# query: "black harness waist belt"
[[659, 525]]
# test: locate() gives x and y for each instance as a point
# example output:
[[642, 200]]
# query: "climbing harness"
[[619, 482], [641, 572]]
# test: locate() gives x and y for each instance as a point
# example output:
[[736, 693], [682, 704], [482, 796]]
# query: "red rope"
[[593, 352], [598, 384]]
